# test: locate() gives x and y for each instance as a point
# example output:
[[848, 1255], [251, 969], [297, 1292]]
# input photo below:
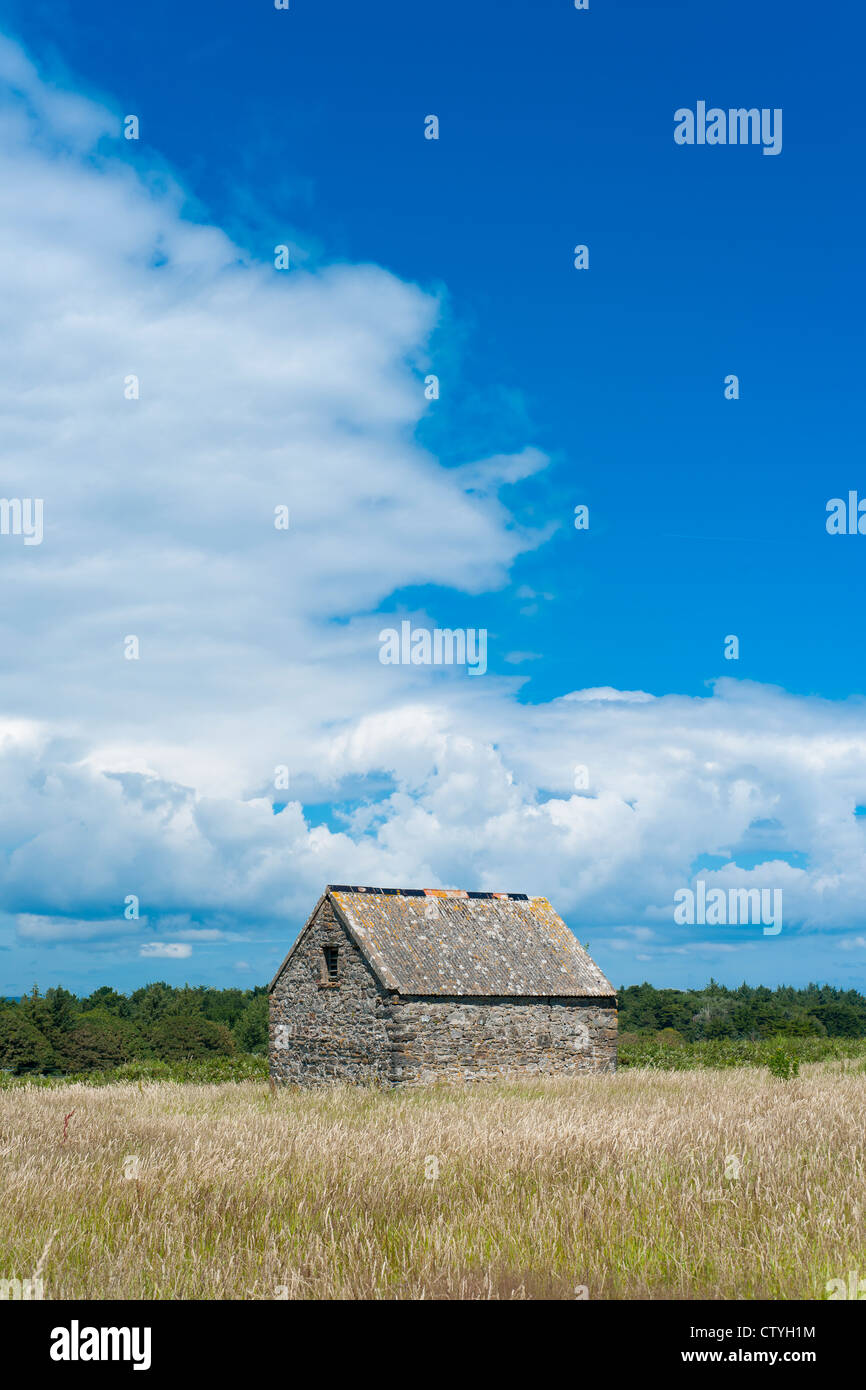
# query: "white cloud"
[[258, 647], [32, 927], [607, 692], [257, 389]]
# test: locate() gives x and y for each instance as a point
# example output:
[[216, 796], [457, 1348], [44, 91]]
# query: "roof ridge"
[[425, 892]]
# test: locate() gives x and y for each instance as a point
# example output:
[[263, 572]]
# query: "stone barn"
[[408, 985]]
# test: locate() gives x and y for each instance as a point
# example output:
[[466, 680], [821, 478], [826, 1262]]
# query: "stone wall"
[[326, 1032], [480, 1039], [355, 1030]]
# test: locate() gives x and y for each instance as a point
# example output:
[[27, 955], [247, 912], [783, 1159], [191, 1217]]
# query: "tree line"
[[59, 1032], [747, 1012]]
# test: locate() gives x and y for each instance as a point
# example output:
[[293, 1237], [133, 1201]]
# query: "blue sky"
[[707, 516]]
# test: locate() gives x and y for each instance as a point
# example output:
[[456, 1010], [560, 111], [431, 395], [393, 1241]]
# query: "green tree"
[[59, 1015], [189, 1000], [251, 1030], [34, 1007], [178, 1036], [840, 1020], [99, 1040], [23, 1047], [225, 1005], [151, 1002], [109, 1000], [713, 1021]]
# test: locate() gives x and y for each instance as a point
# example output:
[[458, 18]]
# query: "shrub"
[[782, 1064], [640, 1050]]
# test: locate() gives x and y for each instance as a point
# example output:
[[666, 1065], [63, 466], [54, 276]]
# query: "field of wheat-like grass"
[[701, 1184]]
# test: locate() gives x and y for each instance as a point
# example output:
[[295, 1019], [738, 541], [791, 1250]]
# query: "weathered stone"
[[355, 1029]]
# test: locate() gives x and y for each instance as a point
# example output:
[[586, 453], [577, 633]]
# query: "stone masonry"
[[480, 1039], [357, 1027], [328, 1032]]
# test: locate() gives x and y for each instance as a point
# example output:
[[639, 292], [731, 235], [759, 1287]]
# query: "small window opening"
[[331, 957]]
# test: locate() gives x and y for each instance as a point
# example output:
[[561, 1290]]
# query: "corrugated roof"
[[434, 941]]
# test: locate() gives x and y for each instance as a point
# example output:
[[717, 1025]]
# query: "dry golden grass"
[[616, 1182]]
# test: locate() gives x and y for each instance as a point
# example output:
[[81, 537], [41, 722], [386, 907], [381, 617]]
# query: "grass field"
[[701, 1184]]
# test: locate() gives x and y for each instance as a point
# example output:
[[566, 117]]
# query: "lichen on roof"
[[455, 942]]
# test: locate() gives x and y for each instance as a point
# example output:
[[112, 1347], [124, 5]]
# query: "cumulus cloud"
[[257, 389], [258, 646]]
